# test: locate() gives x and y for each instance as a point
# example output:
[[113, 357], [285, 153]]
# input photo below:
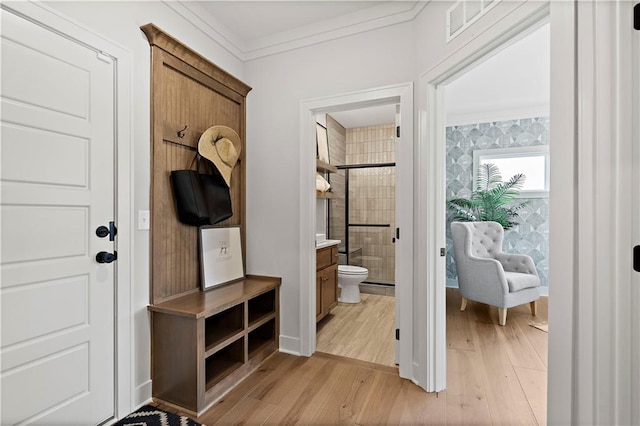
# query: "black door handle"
[[105, 257], [636, 258], [111, 231]]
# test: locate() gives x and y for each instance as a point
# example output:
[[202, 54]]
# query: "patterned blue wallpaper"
[[532, 234]]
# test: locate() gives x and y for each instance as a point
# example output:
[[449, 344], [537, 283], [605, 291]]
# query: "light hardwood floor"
[[495, 375], [364, 331]]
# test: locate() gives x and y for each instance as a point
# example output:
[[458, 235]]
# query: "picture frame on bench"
[[220, 256]]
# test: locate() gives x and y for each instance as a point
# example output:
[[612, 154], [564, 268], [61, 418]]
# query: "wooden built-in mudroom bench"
[[203, 343], [206, 342]]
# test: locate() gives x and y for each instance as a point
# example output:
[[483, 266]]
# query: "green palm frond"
[[492, 199], [488, 177], [462, 209]]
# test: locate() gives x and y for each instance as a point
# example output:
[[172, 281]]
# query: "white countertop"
[[327, 243]]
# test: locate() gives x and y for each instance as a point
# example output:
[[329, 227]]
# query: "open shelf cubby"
[[206, 342], [262, 336], [224, 362], [223, 325], [262, 306]]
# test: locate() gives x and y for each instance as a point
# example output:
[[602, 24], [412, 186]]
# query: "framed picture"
[[220, 256], [322, 141]]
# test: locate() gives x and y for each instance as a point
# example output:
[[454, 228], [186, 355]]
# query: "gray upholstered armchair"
[[488, 275]]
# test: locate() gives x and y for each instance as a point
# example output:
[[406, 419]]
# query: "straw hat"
[[222, 146]]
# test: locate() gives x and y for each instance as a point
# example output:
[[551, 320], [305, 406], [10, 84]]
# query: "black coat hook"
[[182, 132]]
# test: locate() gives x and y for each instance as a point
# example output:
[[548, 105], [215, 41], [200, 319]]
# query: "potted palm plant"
[[492, 199]]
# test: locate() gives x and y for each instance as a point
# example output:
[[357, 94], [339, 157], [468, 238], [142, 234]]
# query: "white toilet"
[[349, 279]]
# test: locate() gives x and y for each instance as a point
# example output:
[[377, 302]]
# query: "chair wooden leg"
[[502, 316], [463, 306], [534, 307]]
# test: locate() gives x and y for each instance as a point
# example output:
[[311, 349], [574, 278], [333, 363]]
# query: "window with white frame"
[[532, 161]]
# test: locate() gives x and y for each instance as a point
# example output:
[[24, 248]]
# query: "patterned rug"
[[152, 416]]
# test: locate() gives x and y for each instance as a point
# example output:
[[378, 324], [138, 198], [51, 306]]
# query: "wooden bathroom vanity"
[[326, 280]]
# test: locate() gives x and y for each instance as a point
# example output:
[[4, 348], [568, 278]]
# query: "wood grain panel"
[[189, 94], [157, 37], [362, 331], [174, 352]]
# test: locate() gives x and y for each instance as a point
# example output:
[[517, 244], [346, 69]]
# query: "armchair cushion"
[[517, 281]]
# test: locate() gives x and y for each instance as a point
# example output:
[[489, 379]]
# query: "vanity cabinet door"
[[326, 280], [319, 276], [329, 288]]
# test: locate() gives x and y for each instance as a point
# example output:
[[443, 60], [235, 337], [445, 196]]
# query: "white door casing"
[[397, 305], [58, 134], [402, 94], [635, 213]]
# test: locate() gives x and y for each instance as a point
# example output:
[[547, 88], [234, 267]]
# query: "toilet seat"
[[352, 270]]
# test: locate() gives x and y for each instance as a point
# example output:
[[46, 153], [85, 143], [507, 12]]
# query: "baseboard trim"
[[142, 395], [290, 345]]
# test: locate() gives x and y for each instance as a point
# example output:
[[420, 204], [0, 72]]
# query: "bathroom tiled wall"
[[531, 236], [337, 137], [372, 198]]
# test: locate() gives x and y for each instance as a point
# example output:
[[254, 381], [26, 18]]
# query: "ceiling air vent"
[[464, 13]]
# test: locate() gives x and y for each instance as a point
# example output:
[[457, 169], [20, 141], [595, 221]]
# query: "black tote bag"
[[200, 198]]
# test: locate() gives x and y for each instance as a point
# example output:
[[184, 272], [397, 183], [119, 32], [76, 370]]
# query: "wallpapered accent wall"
[[531, 236]]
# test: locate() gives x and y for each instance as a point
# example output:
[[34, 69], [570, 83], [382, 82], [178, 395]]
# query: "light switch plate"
[[143, 220]]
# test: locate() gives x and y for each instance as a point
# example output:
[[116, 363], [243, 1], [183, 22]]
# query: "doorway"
[[360, 216], [498, 113], [402, 95]]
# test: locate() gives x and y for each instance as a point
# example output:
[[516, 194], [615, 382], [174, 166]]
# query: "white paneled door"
[[57, 188]]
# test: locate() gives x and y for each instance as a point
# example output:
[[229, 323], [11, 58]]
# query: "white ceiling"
[[256, 19], [363, 117], [253, 29]]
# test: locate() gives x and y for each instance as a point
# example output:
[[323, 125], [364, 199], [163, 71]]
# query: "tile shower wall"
[[531, 236], [337, 138], [372, 193]]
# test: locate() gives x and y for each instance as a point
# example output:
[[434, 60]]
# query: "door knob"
[[111, 231], [102, 231], [105, 257]]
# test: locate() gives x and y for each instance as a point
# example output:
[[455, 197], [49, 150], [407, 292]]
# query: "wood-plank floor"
[[364, 331], [495, 375]]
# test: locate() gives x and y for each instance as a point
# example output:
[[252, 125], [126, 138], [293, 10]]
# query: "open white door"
[[397, 305], [635, 284], [57, 180]]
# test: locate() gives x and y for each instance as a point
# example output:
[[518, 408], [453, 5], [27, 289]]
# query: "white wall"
[[512, 84], [372, 59], [120, 23]]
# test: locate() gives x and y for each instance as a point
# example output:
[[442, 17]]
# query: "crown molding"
[[211, 27], [380, 16], [353, 23]]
